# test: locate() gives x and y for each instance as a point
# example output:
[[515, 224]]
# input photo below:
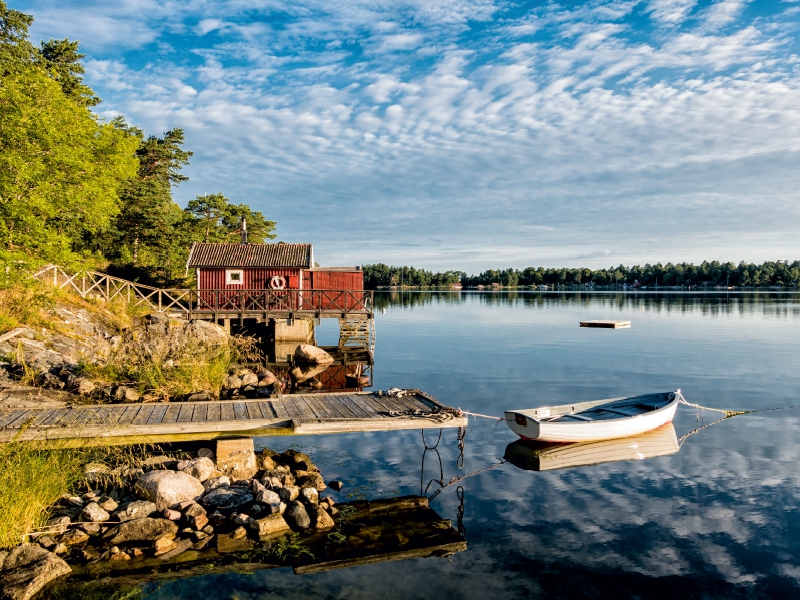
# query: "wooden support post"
[[108, 285]]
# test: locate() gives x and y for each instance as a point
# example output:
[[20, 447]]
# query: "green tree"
[[62, 60]]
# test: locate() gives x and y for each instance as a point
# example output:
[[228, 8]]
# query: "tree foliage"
[[75, 188]]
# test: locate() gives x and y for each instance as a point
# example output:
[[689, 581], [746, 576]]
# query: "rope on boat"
[[727, 413]]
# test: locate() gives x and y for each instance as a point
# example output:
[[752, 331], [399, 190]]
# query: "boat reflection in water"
[[543, 456]]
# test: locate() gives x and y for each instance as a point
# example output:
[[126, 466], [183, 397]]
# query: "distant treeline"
[[777, 273]]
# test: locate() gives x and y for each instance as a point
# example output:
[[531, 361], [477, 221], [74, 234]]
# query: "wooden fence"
[[216, 304]]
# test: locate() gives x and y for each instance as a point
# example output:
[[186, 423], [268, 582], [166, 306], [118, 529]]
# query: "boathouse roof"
[[299, 256]]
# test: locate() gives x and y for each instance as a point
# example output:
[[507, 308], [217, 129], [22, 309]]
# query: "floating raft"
[[607, 324], [295, 414]]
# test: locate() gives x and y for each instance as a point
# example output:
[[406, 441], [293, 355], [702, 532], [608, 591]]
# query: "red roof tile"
[[251, 255]]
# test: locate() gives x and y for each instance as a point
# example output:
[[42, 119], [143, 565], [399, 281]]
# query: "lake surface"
[[720, 518]]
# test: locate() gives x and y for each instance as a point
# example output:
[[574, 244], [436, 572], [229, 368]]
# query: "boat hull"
[[541, 430]]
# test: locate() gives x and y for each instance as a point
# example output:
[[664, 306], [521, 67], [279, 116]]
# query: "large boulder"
[[311, 355], [92, 512], [306, 372], [200, 468], [141, 530], [236, 458], [166, 488], [227, 498], [135, 510], [27, 569]]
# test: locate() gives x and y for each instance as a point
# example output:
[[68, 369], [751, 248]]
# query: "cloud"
[[465, 121]]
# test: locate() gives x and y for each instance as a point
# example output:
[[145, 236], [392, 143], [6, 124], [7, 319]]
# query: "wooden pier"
[[294, 414]]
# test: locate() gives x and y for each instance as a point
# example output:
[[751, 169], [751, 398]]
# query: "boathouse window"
[[233, 277]]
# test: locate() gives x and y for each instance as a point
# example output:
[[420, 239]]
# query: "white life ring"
[[277, 283]]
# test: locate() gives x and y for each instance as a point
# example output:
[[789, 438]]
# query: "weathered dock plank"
[[299, 414]]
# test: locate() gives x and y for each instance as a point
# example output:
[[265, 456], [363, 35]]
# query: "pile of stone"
[[226, 500], [245, 383]]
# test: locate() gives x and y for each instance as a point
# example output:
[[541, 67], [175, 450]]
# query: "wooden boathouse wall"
[[256, 278]]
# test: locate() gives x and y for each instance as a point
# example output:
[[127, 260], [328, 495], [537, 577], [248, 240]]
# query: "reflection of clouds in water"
[[709, 500]]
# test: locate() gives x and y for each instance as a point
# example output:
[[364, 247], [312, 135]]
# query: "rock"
[[249, 378], [336, 485], [147, 398], [166, 488], [327, 500], [322, 520], [296, 460], [200, 468], [208, 333], [309, 495], [228, 543], [46, 542], [289, 493], [296, 516], [217, 519], [119, 556], [205, 453], [172, 515], [180, 547], [307, 373], [215, 482], [89, 554], [74, 537], [257, 487], [61, 549], [268, 497], [232, 382], [72, 501], [107, 503], [142, 530], [82, 386], [126, 393], [136, 510], [312, 480], [266, 378], [90, 528], [227, 498], [164, 545], [236, 458], [199, 397], [137, 553], [48, 380], [197, 521], [239, 533], [92, 512], [312, 355], [58, 525], [270, 525], [27, 569], [194, 510], [265, 462]]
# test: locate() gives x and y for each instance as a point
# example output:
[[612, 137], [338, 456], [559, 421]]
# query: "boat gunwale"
[[580, 407]]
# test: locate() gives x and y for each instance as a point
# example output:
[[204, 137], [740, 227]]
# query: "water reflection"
[[537, 456]]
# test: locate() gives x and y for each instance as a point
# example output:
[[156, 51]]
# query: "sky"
[[470, 134]]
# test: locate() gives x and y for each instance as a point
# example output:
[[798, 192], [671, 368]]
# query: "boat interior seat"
[[574, 416], [624, 413]]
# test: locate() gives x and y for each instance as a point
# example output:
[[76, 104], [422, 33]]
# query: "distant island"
[[781, 274]]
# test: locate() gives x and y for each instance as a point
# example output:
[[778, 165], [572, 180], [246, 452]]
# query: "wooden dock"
[[295, 414], [607, 324]]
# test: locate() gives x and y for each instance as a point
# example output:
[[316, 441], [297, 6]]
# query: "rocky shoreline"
[[228, 499]]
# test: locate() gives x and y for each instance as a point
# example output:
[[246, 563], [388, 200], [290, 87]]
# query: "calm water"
[[719, 519]]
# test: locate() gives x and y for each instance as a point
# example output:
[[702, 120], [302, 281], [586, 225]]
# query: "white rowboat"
[[595, 420]]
